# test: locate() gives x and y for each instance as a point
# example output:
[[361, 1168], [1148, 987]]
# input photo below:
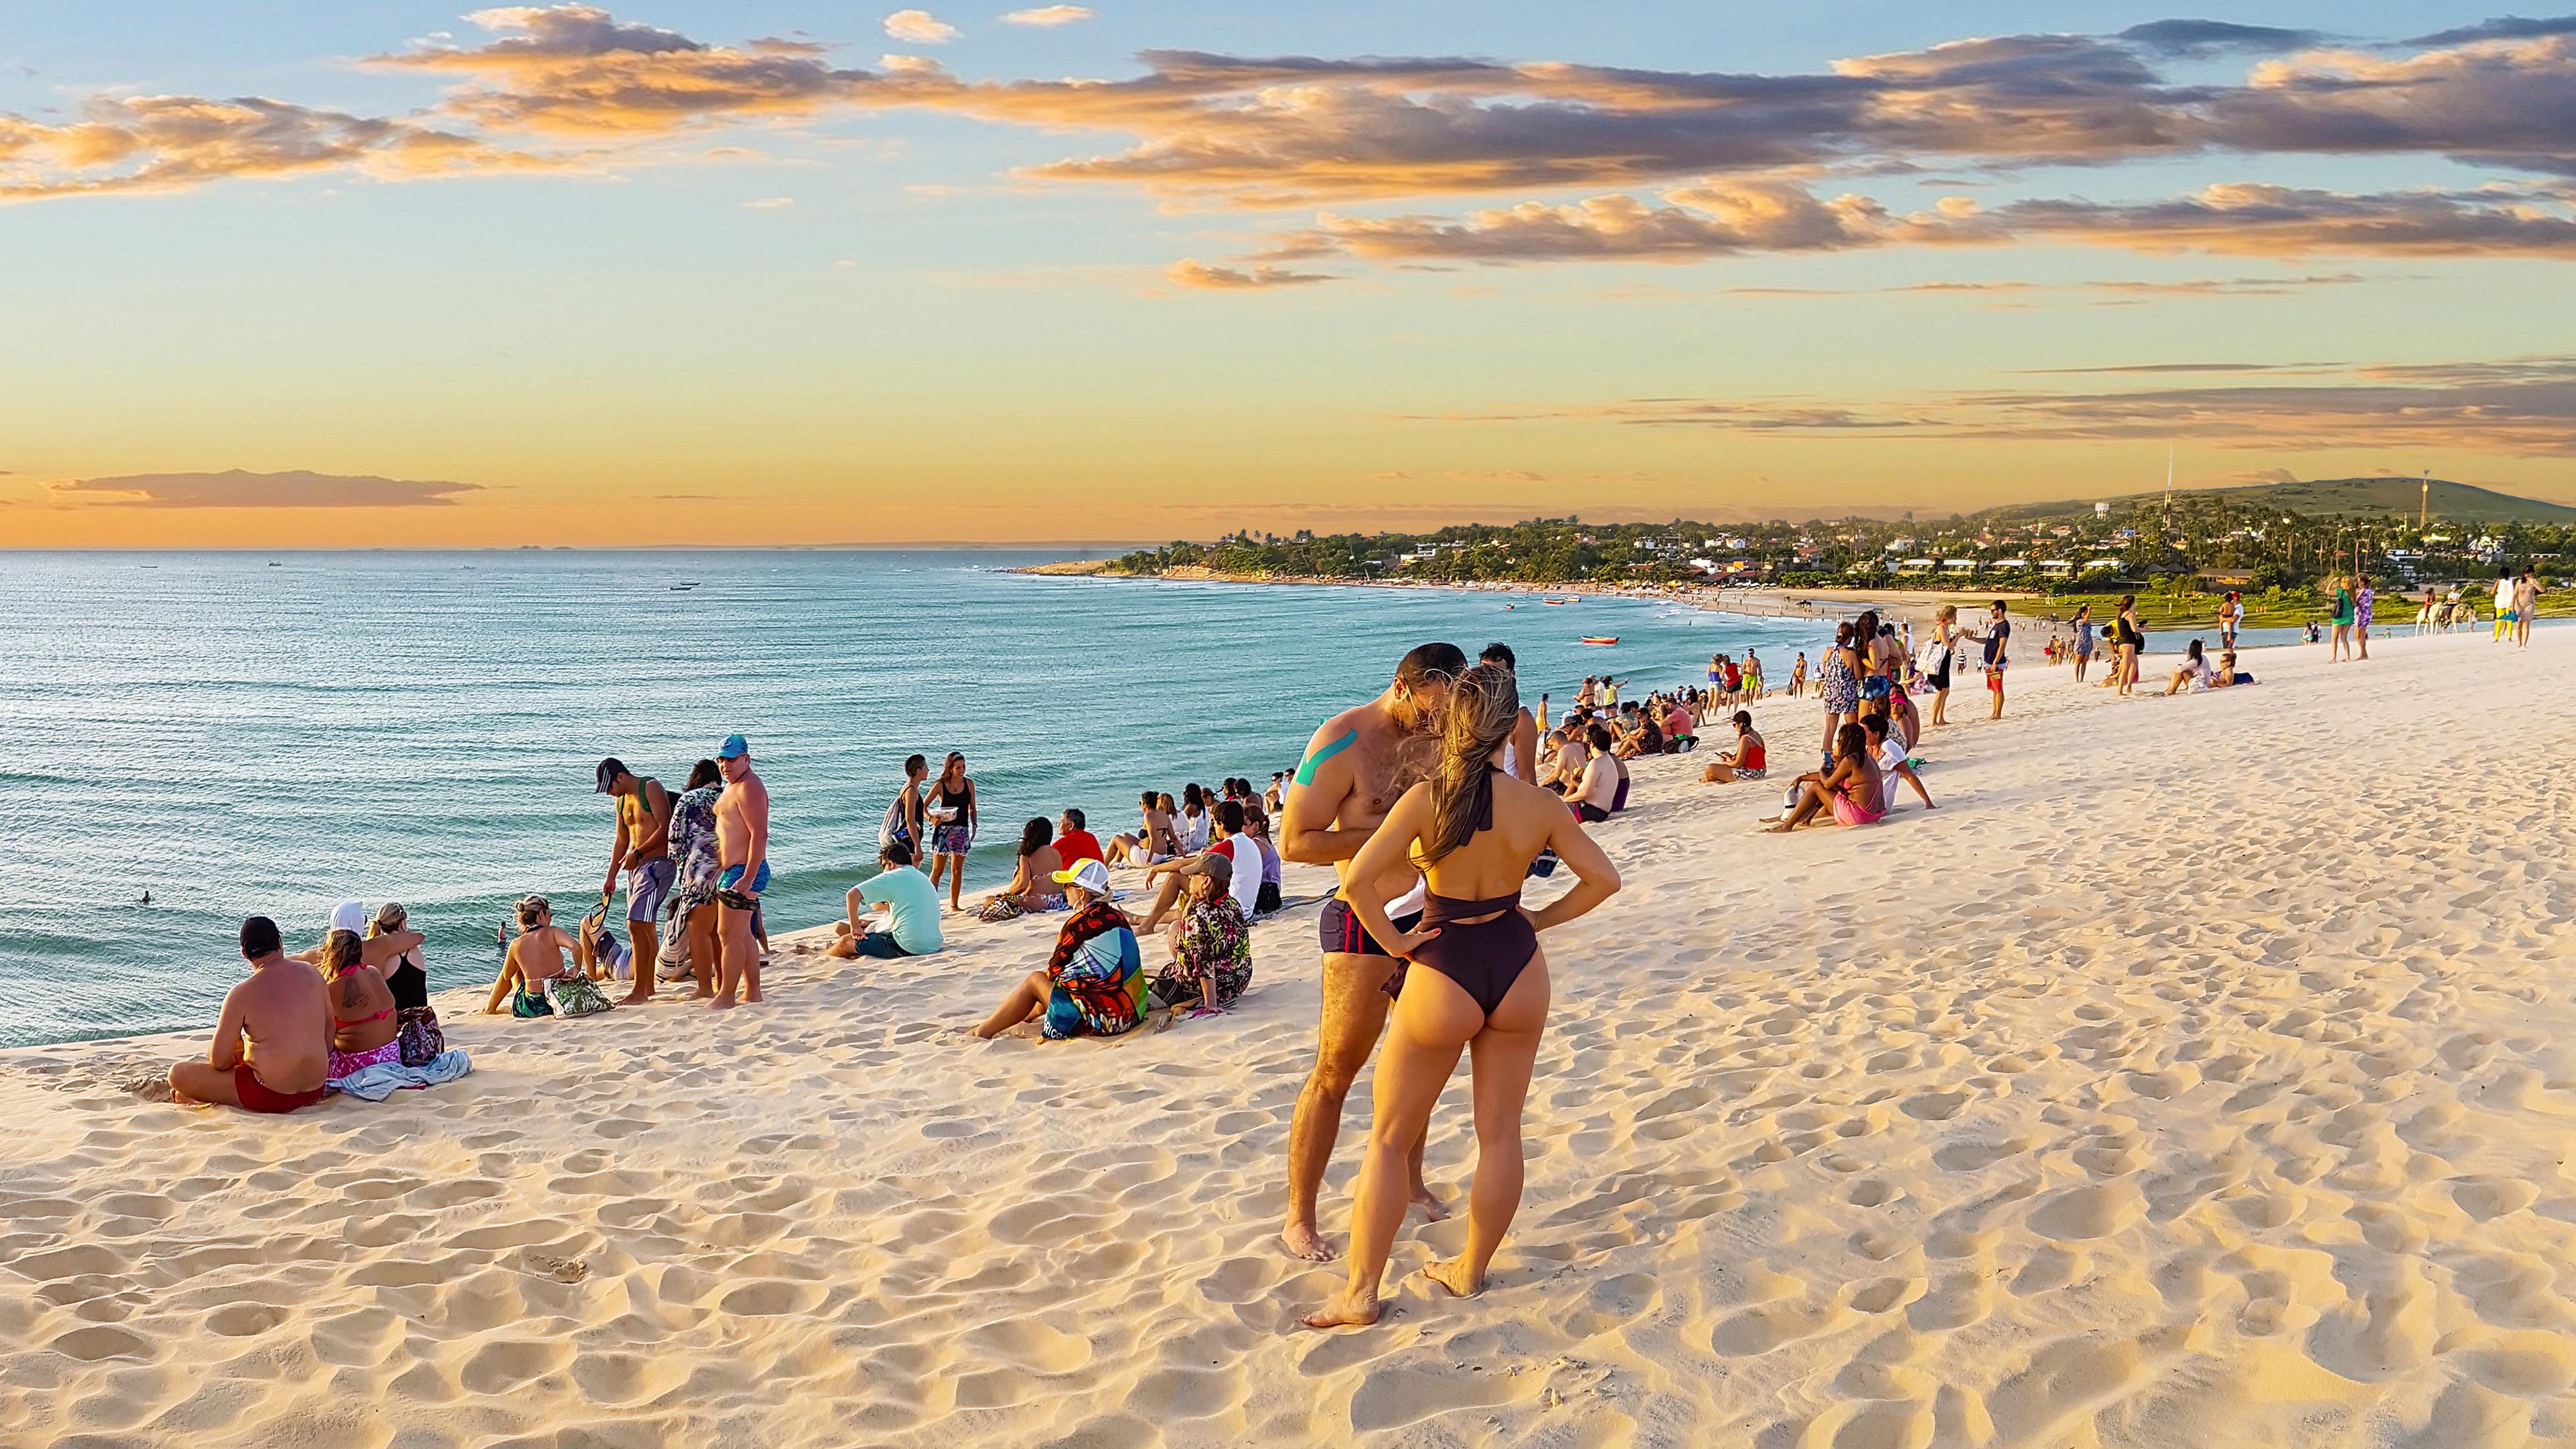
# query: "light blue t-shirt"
[[914, 903]]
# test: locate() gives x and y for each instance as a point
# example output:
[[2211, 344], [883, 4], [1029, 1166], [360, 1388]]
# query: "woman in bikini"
[[364, 1031], [1475, 978], [1152, 840], [1852, 790]]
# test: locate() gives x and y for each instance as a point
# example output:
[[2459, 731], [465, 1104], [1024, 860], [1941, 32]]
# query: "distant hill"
[[2382, 497]]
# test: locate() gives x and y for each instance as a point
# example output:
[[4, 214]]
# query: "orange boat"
[[1594, 639]]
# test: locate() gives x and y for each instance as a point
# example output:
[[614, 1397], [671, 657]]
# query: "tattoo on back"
[[1306, 771]]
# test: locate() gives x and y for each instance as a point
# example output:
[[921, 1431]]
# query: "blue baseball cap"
[[734, 748]]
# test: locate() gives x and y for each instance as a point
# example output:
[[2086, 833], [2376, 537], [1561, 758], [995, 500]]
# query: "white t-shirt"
[[2196, 674], [2504, 595], [1191, 831], [1245, 884], [1891, 755]]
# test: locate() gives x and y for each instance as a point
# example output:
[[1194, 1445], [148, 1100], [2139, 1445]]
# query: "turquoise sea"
[[247, 733]]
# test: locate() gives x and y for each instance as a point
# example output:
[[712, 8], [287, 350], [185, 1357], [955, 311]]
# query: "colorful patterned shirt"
[[1099, 975]]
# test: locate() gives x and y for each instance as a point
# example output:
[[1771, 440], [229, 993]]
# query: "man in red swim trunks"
[[1355, 768], [272, 1047]]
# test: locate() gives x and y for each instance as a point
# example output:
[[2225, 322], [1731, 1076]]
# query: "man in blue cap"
[[742, 852]]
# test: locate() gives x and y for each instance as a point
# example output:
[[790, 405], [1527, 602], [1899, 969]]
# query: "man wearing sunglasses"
[[1356, 767]]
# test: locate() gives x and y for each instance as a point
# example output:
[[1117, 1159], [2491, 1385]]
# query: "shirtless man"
[[742, 850], [1356, 766], [284, 1012], [643, 850]]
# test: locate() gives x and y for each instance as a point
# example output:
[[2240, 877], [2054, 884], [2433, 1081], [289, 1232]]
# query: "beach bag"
[[1002, 908], [1933, 657], [420, 1035], [578, 996]]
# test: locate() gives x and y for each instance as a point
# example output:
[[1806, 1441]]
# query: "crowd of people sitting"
[[695, 862]]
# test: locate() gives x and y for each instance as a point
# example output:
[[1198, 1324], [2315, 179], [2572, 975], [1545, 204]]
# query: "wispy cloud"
[[1049, 15], [770, 203], [1716, 218], [2516, 406], [239, 489], [2199, 39], [1191, 272], [919, 27]]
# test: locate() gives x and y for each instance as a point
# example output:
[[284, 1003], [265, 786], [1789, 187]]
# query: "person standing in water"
[[1356, 766], [742, 850], [1476, 979]]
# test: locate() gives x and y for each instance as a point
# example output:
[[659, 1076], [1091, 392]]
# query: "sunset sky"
[[309, 274]]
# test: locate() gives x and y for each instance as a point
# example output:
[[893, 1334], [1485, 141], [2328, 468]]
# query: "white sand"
[[2191, 1077]]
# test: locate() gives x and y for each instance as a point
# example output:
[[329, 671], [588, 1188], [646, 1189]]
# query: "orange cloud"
[[170, 143], [1191, 272]]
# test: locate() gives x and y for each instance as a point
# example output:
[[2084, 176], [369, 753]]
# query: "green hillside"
[[2360, 497], [2380, 497]]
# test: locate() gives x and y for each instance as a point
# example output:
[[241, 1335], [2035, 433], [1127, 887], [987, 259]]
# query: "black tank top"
[[409, 982]]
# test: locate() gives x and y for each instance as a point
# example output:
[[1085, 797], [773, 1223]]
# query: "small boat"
[[682, 588], [1600, 639], [1556, 603]]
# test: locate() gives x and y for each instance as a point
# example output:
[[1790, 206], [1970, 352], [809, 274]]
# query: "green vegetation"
[[2278, 543]]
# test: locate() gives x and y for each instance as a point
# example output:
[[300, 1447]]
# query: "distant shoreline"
[[1825, 605]]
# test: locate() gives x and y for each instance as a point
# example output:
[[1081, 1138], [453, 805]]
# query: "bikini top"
[[338, 1020], [1440, 910]]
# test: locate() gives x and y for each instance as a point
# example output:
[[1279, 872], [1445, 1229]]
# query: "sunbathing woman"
[[1852, 790], [1476, 978], [364, 1031]]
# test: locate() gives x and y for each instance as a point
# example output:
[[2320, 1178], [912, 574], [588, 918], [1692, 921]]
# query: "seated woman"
[[1852, 790], [364, 1031], [1150, 841], [534, 976], [1094, 982], [380, 947], [1032, 886], [1746, 761], [1889, 751], [407, 977], [2192, 673], [2227, 674], [1267, 900], [1211, 943]]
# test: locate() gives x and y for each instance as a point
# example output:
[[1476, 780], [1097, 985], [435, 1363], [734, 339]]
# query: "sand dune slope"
[[2192, 1076]]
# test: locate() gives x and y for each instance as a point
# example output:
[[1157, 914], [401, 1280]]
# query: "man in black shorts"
[[1356, 767]]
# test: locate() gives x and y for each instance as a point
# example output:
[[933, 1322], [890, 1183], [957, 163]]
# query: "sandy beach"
[[2191, 1076]]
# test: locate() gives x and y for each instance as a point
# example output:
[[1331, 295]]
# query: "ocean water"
[[239, 735]]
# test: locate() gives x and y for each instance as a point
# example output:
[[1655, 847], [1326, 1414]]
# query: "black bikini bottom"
[[1485, 958]]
